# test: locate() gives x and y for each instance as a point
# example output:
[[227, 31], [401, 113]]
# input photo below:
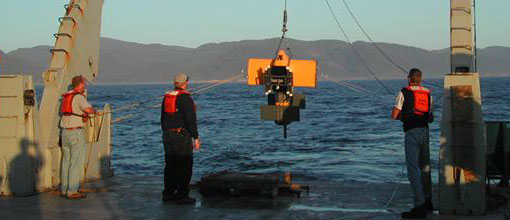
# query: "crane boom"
[[76, 52]]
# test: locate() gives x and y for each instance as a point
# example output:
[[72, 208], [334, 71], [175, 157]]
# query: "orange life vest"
[[170, 101], [421, 100], [66, 108]]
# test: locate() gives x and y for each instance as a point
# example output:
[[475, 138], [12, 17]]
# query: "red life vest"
[[170, 101], [66, 108], [421, 100]]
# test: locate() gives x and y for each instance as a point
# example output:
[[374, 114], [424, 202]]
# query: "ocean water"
[[343, 135]]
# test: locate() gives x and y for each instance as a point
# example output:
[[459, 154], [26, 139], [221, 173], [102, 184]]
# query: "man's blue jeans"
[[73, 159], [418, 164]]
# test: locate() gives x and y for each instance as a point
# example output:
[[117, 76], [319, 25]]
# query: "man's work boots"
[[186, 201], [169, 197], [416, 212]]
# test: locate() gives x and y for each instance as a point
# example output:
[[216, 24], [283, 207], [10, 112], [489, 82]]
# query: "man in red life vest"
[[179, 125], [75, 111], [414, 108]]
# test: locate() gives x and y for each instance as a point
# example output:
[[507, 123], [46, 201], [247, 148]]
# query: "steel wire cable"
[[370, 39], [350, 86], [219, 83], [198, 92], [345, 84], [284, 33], [132, 105], [373, 43], [390, 91], [385, 55]]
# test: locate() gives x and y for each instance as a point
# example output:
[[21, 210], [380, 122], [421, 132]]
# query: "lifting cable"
[[371, 41], [436, 101], [359, 89], [136, 104], [201, 90], [219, 83], [390, 91], [385, 55], [196, 91], [284, 33], [350, 86], [347, 85]]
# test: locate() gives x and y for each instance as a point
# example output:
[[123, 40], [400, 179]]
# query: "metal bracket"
[[467, 10], [59, 50], [461, 28], [62, 34], [62, 19], [463, 46], [67, 6], [49, 76]]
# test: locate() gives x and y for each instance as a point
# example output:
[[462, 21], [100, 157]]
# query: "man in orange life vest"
[[414, 108], [179, 124], [75, 111]]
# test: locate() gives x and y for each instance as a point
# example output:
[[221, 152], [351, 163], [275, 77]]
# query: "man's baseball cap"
[[181, 78]]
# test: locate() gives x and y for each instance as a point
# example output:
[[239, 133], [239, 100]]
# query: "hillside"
[[122, 61]]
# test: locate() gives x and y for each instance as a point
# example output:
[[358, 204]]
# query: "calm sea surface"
[[343, 135]]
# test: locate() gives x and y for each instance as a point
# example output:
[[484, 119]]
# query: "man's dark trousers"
[[178, 163]]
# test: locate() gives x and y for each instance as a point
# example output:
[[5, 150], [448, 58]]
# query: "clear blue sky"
[[420, 23]]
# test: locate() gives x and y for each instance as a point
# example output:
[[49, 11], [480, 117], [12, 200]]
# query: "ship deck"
[[134, 197]]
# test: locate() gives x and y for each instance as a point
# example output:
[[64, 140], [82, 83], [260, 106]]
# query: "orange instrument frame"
[[304, 71]]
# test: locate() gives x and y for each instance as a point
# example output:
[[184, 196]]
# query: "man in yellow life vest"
[[414, 108], [179, 125]]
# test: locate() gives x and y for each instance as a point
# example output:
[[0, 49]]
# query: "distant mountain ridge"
[[122, 61]]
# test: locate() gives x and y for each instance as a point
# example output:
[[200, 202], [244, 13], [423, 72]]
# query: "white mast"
[[462, 155]]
